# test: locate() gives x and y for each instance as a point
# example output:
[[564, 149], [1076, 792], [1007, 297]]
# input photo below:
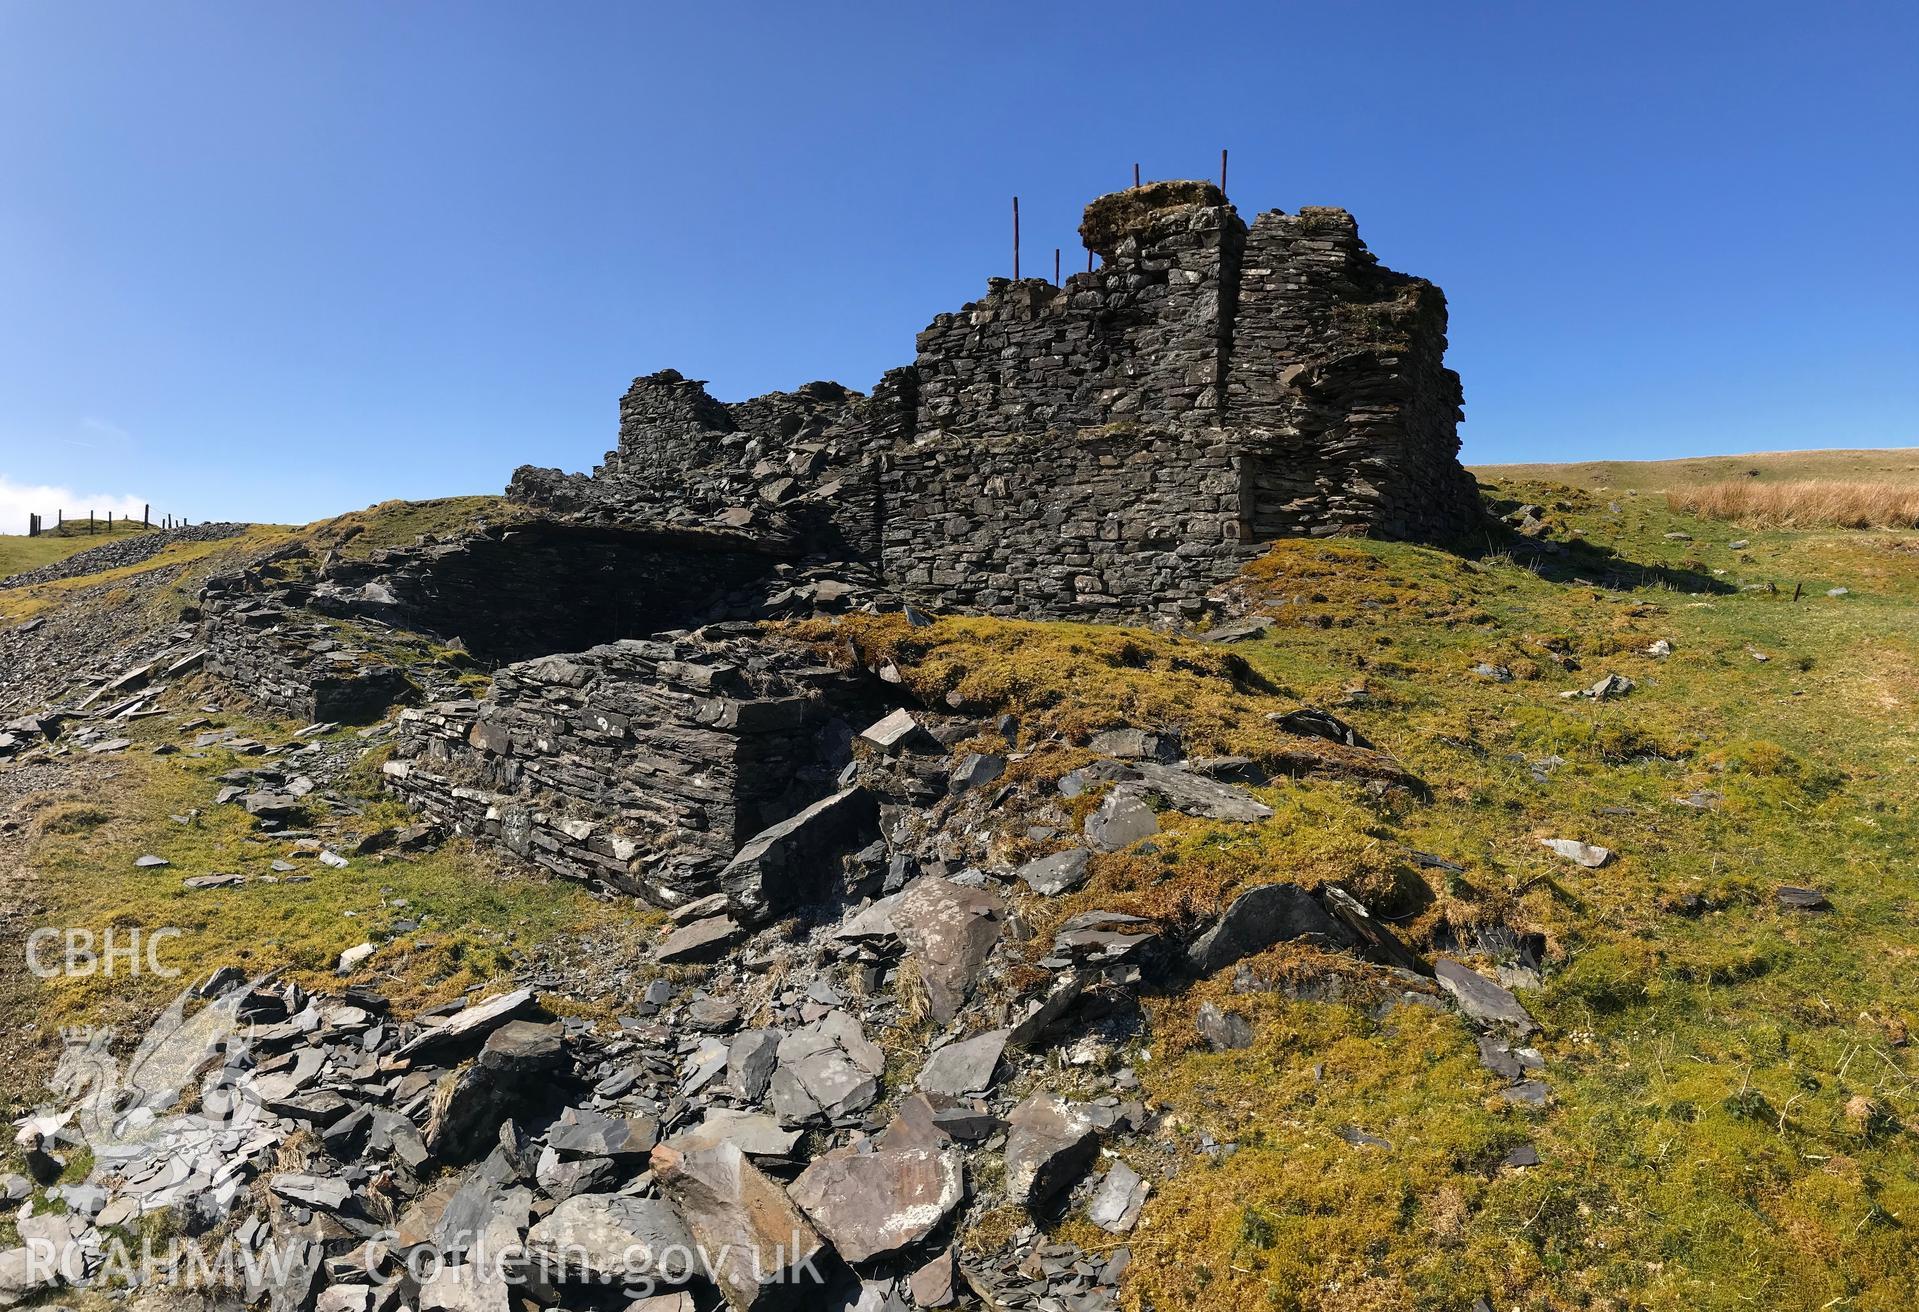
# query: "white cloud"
[[18, 500]]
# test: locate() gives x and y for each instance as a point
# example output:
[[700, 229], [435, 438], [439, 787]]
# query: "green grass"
[[1699, 1153], [1898, 465]]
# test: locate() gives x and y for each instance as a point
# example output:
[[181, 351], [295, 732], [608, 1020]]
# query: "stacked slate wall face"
[[643, 764], [298, 666], [1341, 362], [1105, 522]]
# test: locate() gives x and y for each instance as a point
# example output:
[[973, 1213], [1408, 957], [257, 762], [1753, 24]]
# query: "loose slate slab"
[[1122, 818], [874, 1204], [1480, 998], [898, 731], [583, 1132], [754, 1133], [1801, 899], [1196, 795], [1261, 917], [1223, 1030], [964, 1069], [613, 1237], [475, 1022], [789, 864], [328, 1194], [951, 929], [827, 1069], [759, 1249], [273, 806], [1589, 855], [976, 770], [750, 1062], [1116, 1206], [703, 940], [1062, 872], [1049, 1145]]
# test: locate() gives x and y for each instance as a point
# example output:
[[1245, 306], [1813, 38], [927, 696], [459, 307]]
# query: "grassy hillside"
[[21, 553], [1898, 466], [1733, 1119], [1732, 1094]]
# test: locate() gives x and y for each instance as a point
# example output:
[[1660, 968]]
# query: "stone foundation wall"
[[644, 764]]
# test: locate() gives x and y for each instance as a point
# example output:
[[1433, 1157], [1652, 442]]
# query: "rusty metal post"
[[1055, 266], [1136, 175], [1016, 239], [1222, 170], [146, 515]]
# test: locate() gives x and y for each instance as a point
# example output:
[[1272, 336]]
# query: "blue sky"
[[274, 261]]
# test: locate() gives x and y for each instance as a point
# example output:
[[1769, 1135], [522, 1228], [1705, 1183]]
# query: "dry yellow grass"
[[1802, 503]]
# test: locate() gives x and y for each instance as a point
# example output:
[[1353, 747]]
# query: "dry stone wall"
[[1105, 522]]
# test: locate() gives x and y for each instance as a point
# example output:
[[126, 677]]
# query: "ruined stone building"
[[1118, 445]]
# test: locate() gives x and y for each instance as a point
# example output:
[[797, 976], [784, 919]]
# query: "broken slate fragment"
[[1062, 872], [754, 1133], [750, 1061], [703, 940], [976, 770], [1049, 1145], [759, 1249], [1223, 1030], [1480, 998], [951, 930], [1261, 917], [608, 1237], [1122, 818], [472, 1023], [582, 1132], [1116, 1206], [1801, 899], [1589, 855], [964, 1069], [872, 1204]]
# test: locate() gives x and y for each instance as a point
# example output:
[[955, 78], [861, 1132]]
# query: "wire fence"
[[37, 525]]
